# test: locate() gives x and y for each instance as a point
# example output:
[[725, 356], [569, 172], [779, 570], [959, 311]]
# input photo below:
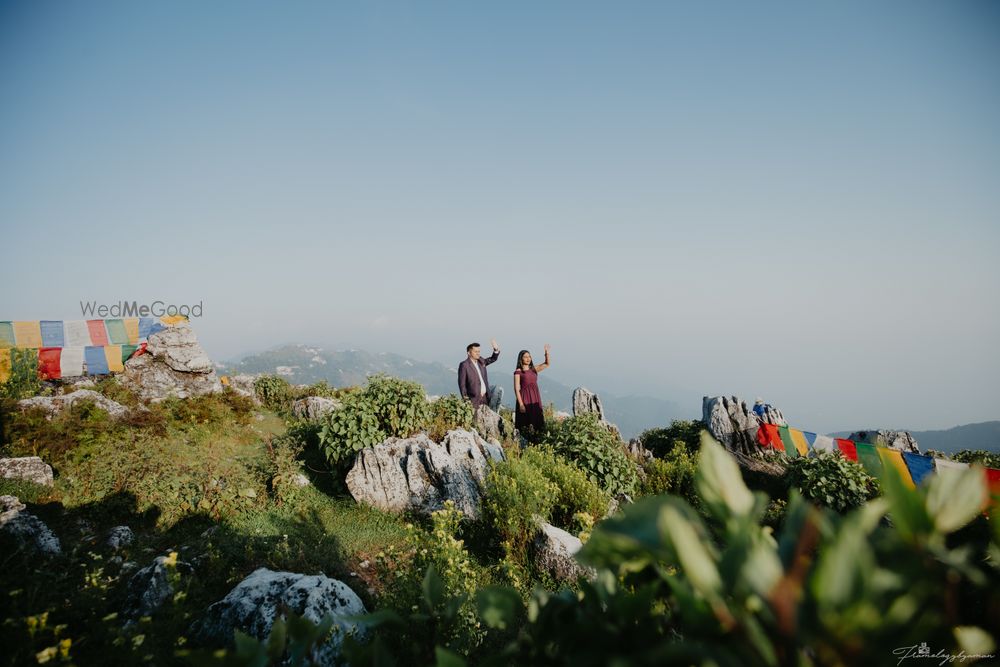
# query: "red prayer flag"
[[48, 363], [848, 449], [98, 333], [993, 481], [768, 436]]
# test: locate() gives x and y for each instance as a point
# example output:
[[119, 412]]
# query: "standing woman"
[[529, 418]]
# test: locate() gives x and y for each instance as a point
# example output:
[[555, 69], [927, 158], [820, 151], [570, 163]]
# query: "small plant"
[[347, 431], [399, 406], [832, 481], [273, 392], [681, 434], [587, 442], [980, 456], [23, 381], [285, 468], [447, 413], [673, 474], [515, 492], [576, 493]]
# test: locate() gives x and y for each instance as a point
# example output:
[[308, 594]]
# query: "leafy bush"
[[832, 481], [350, 429], [576, 492], [273, 392], [400, 406], [285, 468], [23, 381], [514, 492], [673, 474], [587, 442], [681, 434], [980, 456], [447, 413]]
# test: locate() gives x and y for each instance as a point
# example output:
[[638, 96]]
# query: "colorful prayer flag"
[[127, 351], [799, 438], [171, 320], [98, 333], [71, 362], [824, 443], [76, 333], [48, 363], [113, 354], [787, 443], [848, 449], [868, 458], [894, 458], [132, 329], [52, 333], [149, 326], [767, 436], [97, 363], [946, 466], [117, 335], [919, 466], [7, 338], [28, 334]]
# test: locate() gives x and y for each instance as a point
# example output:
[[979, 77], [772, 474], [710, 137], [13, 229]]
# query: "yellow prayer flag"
[[113, 353], [28, 334], [892, 457], [132, 329], [171, 320], [800, 441], [4, 364]]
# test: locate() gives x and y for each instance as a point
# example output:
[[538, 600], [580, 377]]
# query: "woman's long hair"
[[520, 355]]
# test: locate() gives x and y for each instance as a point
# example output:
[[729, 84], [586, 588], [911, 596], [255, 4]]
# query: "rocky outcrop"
[[314, 407], [419, 474], [150, 587], [243, 384], [256, 603], [639, 453], [174, 365], [496, 398], [586, 402], [900, 440], [491, 426], [554, 551], [26, 529], [120, 537], [53, 405], [731, 421], [28, 468]]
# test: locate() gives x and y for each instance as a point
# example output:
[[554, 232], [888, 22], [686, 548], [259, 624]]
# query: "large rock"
[[419, 474], [29, 468], [314, 407], [731, 421], [150, 587], [120, 537], [257, 601], [243, 384], [491, 426], [496, 398], [554, 551], [174, 365], [26, 529], [53, 405], [900, 440], [587, 402]]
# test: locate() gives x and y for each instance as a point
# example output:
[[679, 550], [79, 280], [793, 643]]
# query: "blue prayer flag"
[[97, 363], [919, 466], [52, 333]]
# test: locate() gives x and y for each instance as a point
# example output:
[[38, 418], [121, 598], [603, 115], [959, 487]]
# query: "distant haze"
[[797, 201]]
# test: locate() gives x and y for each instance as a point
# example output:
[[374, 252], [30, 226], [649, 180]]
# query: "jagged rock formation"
[[26, 529], [496, 398], [554, 551], [314, 407], [256, 602], [586, 401], [901, 440], [174, 365], [637, 451], [731, 421], [243, 384], [29, 468], [419, 474], [150, 587], [490, 426], [53, 405]]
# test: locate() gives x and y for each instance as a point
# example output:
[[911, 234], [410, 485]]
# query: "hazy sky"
[[794, 200]]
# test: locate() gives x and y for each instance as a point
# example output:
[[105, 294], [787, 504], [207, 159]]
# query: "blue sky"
[[798, 202]]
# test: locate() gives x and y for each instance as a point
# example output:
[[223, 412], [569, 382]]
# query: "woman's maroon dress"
[[532, 420]]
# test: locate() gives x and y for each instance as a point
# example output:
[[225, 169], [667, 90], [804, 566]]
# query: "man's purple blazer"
[[468, 380]]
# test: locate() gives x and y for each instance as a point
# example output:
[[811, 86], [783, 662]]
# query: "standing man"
[[473, 382]]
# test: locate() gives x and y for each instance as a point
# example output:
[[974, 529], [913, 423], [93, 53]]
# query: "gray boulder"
[[419, 474], [26, 528], [638, 452], [490, 426], [243, 384], [120, 537], [53, 405], [29, 468], [900, 440], [256, 602], [587, 402], [731, 421], [314, 407], [496, 397], [150, 587], [174, 365], [554, 551]]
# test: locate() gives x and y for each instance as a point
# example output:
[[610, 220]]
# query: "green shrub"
[[347, 431], [321, 388], [576, 492], [980, 456], [273, 392], [681, 434], [590, 445], [832, 481], [285, 468], [514, 492], [672, 474], [400, 406], [23, 381], [447, 413]]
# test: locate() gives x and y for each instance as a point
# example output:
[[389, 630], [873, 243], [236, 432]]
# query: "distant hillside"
[[302, 364], [984, 435]]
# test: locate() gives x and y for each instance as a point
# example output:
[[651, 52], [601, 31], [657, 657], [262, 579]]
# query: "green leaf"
[[720, 483], [499, 607], [433, 587], [974, 641], [955, 497]]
